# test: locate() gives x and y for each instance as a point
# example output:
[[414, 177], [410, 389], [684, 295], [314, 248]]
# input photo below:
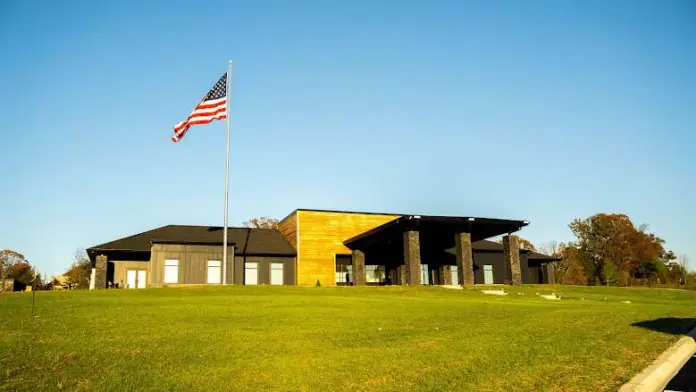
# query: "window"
[[251, 273], [375, 274], [425, 274], [171, 271], [344, 270], [455, 274], [277, 274], [214, 271], [487, 274], [344, 274]]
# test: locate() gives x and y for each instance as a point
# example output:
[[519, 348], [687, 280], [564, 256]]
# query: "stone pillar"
[[465, 258], [412, 257], [551, 272], [358, 268], [511, 255], [100, 267], [401, 275], [445, 275]]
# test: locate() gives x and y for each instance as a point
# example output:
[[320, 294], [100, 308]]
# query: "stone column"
[[445, 275], [551, 272], [542, 268], [358, 268], [465, 258], [401, 275], [100, 267], [511, 254], [412, 257]]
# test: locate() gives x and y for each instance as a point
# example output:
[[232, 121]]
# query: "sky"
[[539, 110]]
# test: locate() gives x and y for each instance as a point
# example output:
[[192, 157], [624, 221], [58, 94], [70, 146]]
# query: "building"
[[10, 284], [326, 247]]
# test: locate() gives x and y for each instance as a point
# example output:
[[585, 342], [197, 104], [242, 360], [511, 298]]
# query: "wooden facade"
[[121, 269], [288, 228], [319, 237], [193, 261], [264, 268]]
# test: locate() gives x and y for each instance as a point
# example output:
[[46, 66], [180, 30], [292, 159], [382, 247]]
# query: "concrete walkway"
[[685, 380]]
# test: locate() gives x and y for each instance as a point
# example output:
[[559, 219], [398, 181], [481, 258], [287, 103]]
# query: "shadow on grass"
[[670, 325]]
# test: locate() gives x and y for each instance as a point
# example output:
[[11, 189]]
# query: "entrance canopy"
[[437, 231]]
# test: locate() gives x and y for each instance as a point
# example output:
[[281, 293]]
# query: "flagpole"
[[227, 175]]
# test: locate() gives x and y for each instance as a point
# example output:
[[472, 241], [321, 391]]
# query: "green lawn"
[[320, 339]]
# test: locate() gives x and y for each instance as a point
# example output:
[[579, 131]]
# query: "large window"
[[487, 274], [277, 273], [425, 274], [455, 274], [214, 271], [375, 274], [251, 273], [344, 274], [344, 270], [171, 271]]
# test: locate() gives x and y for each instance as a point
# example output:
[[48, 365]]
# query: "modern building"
[[326, 247]]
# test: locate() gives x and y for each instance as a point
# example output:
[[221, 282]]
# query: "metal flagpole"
[[227, 174]]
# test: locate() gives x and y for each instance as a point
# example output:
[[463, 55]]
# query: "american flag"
[[212, 107]]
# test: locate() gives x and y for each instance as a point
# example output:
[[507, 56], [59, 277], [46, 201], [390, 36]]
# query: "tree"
[[633, 251], [23, 272], [526, 244], [12, 265], [571, 269], [550, 248], [80, 271], [263, 222], [610, 275], [683, 262], [523, 243]]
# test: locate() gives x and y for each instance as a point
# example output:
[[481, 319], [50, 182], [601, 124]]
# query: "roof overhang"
[[119, 254], [180, 242], [437, 226]]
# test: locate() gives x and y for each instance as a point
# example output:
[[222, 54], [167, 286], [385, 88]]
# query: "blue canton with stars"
[[219, 90]]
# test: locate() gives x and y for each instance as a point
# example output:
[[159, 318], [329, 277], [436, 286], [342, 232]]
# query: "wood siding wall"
[[193, 262], [288, 228], [320, 237], [264, 271], [120, 268]]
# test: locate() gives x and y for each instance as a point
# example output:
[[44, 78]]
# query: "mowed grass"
[[339, 339]]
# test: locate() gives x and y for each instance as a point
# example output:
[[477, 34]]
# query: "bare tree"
[[263, 222], [80, 271], [522, 243], [550, 248], [684, 263]]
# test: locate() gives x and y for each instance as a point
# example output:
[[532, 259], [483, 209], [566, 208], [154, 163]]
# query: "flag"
[[212, 107]]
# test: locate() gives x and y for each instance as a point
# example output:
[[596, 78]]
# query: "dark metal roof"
[[480, 228], [247, 241]]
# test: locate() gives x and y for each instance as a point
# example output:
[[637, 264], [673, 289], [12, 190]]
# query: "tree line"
[[609, 249]]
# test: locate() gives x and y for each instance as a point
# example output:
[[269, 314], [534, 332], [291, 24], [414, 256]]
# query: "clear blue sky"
[[539, 110]]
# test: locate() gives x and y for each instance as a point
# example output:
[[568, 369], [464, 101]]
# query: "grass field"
[[346, 339]]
